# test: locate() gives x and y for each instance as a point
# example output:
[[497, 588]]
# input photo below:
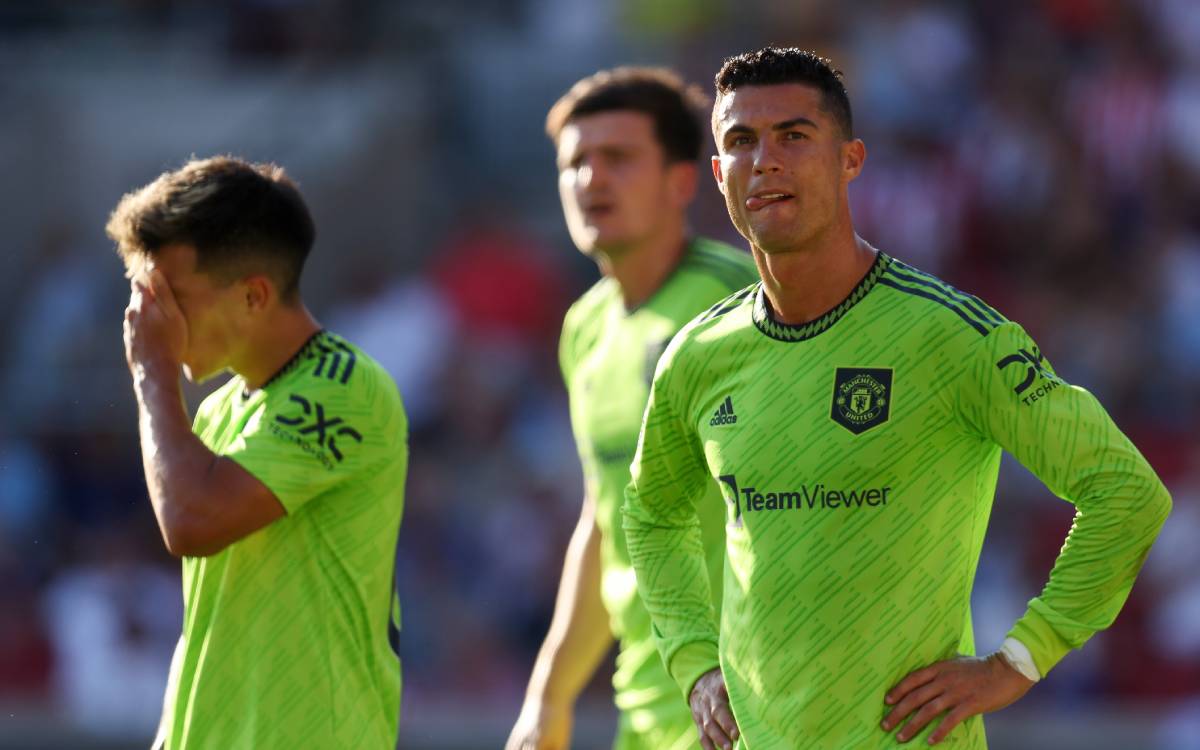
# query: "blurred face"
[[216, 314], [616, 188], [782, 165]]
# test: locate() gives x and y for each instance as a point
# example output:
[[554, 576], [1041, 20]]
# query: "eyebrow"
[[600, 148], [795, 121], [785, 125]]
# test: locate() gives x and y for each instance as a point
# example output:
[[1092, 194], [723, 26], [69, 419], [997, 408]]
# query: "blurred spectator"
[[408, 327], [113, 620]]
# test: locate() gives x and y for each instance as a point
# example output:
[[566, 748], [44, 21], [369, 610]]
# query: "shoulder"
[[332, 373], [596, 298], [713, 316], [1011, 353], [728, 316], [974, 333], [721, 264], [584, 316], [939, 304]]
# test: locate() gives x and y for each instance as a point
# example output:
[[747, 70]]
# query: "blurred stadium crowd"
[[1046, 157]]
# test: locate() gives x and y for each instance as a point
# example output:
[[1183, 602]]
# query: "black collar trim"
[[303, 352], [765, 321]]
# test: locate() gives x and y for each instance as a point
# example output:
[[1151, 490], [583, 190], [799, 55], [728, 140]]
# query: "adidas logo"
[[724, 414]]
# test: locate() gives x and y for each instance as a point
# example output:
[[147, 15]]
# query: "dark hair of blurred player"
[[628, 141]]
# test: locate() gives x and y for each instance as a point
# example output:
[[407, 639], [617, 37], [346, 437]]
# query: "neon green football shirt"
[[289, 634], [858, 456], [608, 355]]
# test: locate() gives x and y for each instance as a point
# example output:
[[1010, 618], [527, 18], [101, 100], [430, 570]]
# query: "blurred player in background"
[[873, 401], [628, 141], [284, 498]]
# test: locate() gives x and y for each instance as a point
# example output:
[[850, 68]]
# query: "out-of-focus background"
[[1044, 154]]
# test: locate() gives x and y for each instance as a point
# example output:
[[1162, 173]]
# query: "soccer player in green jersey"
[[872, 403], [284, 497], [628, 141]]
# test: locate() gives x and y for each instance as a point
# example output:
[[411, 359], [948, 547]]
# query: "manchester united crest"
[[862, 398]]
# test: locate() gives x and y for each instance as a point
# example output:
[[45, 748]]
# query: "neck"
[[640, 271], [804, 285], [274, 344]]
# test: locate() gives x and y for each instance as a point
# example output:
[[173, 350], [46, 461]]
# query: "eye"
[[616, 157], [795, 135], [739, 140]]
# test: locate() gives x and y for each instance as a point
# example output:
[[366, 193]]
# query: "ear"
[[716, 169], [854, 155], [260, 293], [681, 181]]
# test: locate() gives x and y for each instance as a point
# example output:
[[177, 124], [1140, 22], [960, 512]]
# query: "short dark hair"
[[775, 65], [675, 107], [240, 217]]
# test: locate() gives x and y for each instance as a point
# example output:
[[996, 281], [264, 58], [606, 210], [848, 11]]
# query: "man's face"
[[617, 189], [214, 312], [782, 164]]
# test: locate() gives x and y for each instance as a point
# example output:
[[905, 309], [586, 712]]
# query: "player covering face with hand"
[[627, 144], [283, 497], [873, 402]]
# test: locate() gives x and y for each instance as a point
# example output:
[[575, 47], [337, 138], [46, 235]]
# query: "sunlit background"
[[1043, 154]]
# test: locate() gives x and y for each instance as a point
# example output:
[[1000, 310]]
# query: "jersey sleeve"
[[1012, 396], [311, 437], [662, 530]]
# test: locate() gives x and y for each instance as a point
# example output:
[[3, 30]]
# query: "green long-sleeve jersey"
[[858, 457], [608, 355]]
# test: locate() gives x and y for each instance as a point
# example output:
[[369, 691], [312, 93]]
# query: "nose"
[[766, 157], [591, 174], [585, 175]]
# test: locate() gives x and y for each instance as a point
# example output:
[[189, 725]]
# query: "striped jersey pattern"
[[290, 634], [857, 484]]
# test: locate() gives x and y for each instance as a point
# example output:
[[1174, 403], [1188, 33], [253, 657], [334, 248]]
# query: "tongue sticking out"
[[758, 202]]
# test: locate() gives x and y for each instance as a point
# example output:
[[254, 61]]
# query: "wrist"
[[155, 385], [547, 700], [543, 691], [1016, 655], [157, 371], [692, 661], [1036, 632]]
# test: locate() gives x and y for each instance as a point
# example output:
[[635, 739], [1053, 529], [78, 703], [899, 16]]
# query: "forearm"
[[662, 533], [176, 463], [1095, 570], [1011, 396], [673, 583], [579, 634]]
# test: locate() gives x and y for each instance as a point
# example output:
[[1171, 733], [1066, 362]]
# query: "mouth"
[[596, 211], [759, 201]]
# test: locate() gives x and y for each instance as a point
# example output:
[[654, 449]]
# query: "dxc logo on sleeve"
[[320, 426], [1035, 365]]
